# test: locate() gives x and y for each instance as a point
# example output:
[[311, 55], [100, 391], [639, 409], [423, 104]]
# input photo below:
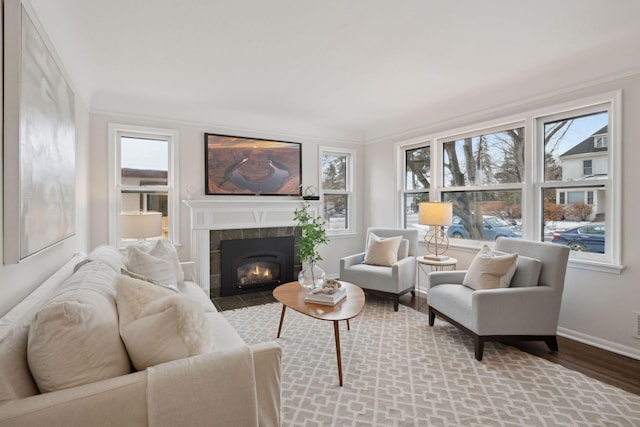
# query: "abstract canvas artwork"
[[39, 160]]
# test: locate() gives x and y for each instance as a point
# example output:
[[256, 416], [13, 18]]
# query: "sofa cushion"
[[382, 251], [158, 326], [148, 265], [74, 338], [527, 271], [490, 271], [108, 255]]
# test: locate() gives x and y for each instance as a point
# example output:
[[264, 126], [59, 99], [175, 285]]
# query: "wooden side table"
[[424, 263], [292, 295]]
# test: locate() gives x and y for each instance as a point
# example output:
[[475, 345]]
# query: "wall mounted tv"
[[249, 166]]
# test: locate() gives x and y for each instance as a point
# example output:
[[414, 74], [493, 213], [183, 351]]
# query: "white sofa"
[[232, 384]]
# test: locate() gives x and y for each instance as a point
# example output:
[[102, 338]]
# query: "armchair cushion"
[[490, 271], [382, 251], [527, 271]]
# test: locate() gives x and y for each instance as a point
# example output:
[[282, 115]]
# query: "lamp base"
[[436, 257]]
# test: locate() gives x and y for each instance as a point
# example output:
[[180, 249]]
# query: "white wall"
[[596, 307], [191, 143]]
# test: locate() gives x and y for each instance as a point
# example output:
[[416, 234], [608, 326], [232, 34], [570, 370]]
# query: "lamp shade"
[[140, 225], [435, 213]]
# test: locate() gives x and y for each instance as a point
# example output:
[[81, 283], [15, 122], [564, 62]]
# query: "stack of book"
[[327, 299]]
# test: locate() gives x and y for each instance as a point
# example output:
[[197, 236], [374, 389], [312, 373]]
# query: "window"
[[600, 141], [143, 177], [483, 174], [549, 172], [581, 170], [417, 182], [337, 187]]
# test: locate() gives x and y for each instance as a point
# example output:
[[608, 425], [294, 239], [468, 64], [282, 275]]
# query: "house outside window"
[[143, 178], [587, 168], [336, 186]]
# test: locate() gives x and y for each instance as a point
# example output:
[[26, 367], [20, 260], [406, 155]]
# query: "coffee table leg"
[[348, 326], [336, 332], [284, 307]]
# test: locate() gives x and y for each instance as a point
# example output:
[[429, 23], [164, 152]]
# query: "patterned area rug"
[[400, 372]]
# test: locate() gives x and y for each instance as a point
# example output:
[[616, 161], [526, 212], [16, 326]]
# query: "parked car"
[[494, 227], [586, 238]]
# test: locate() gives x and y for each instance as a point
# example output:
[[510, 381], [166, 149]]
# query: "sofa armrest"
[[267, 362], [111, 402], [351, 260], [189, 269], [436, 278], [218, 386]]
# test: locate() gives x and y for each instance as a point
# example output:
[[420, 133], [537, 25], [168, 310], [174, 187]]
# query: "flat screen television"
[[250, 166]]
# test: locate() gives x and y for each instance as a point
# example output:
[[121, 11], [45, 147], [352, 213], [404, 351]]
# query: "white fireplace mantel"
[[217, 214]]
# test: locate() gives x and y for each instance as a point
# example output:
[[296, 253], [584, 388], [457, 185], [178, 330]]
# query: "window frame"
[[402, 177], [171, 136], [349, 184], [533, 183]]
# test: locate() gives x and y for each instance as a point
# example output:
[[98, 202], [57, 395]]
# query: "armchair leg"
[[552, 343], [479, 347], [396, 302], [432, 317]]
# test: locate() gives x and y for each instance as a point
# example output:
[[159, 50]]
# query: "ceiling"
[[356, 70]]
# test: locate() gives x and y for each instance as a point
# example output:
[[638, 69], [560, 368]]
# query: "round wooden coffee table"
[[292, 295]]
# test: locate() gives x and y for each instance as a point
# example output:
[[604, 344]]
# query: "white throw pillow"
[[382, 251], [74, 338], [489, 271], [158, 326], [163, 249], [155, 268]]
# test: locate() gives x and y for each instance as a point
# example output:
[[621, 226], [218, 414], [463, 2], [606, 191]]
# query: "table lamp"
[[140, 225], [436, 215]]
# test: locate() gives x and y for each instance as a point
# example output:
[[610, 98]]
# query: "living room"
[[372, 109]]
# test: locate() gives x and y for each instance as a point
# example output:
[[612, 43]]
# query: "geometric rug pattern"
[[398, 371]]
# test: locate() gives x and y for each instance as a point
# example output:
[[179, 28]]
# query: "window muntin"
[[336, 167]]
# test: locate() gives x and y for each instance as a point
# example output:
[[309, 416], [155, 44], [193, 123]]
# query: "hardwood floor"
[[611, 368]]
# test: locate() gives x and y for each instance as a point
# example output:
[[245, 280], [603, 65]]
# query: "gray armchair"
[[528, 310], [391, 281]]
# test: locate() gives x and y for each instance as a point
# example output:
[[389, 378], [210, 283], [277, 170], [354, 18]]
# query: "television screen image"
[[249, 166]]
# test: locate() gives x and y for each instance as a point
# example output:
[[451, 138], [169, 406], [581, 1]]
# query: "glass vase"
[[311, 276]]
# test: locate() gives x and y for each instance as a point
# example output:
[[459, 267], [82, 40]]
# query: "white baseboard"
[[624, 350]]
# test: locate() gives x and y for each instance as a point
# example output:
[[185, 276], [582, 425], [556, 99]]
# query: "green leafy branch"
[[313, 234]]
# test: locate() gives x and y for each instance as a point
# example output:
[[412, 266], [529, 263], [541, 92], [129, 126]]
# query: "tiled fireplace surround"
[[215, 220]]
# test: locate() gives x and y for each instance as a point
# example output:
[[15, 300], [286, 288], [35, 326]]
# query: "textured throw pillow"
[[74, 338], [527, 271], [163, 249], [490, 271], [152, 267], [381, 251], [158, 326]]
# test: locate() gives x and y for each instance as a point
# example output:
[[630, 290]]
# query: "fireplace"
[[251, 265]]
